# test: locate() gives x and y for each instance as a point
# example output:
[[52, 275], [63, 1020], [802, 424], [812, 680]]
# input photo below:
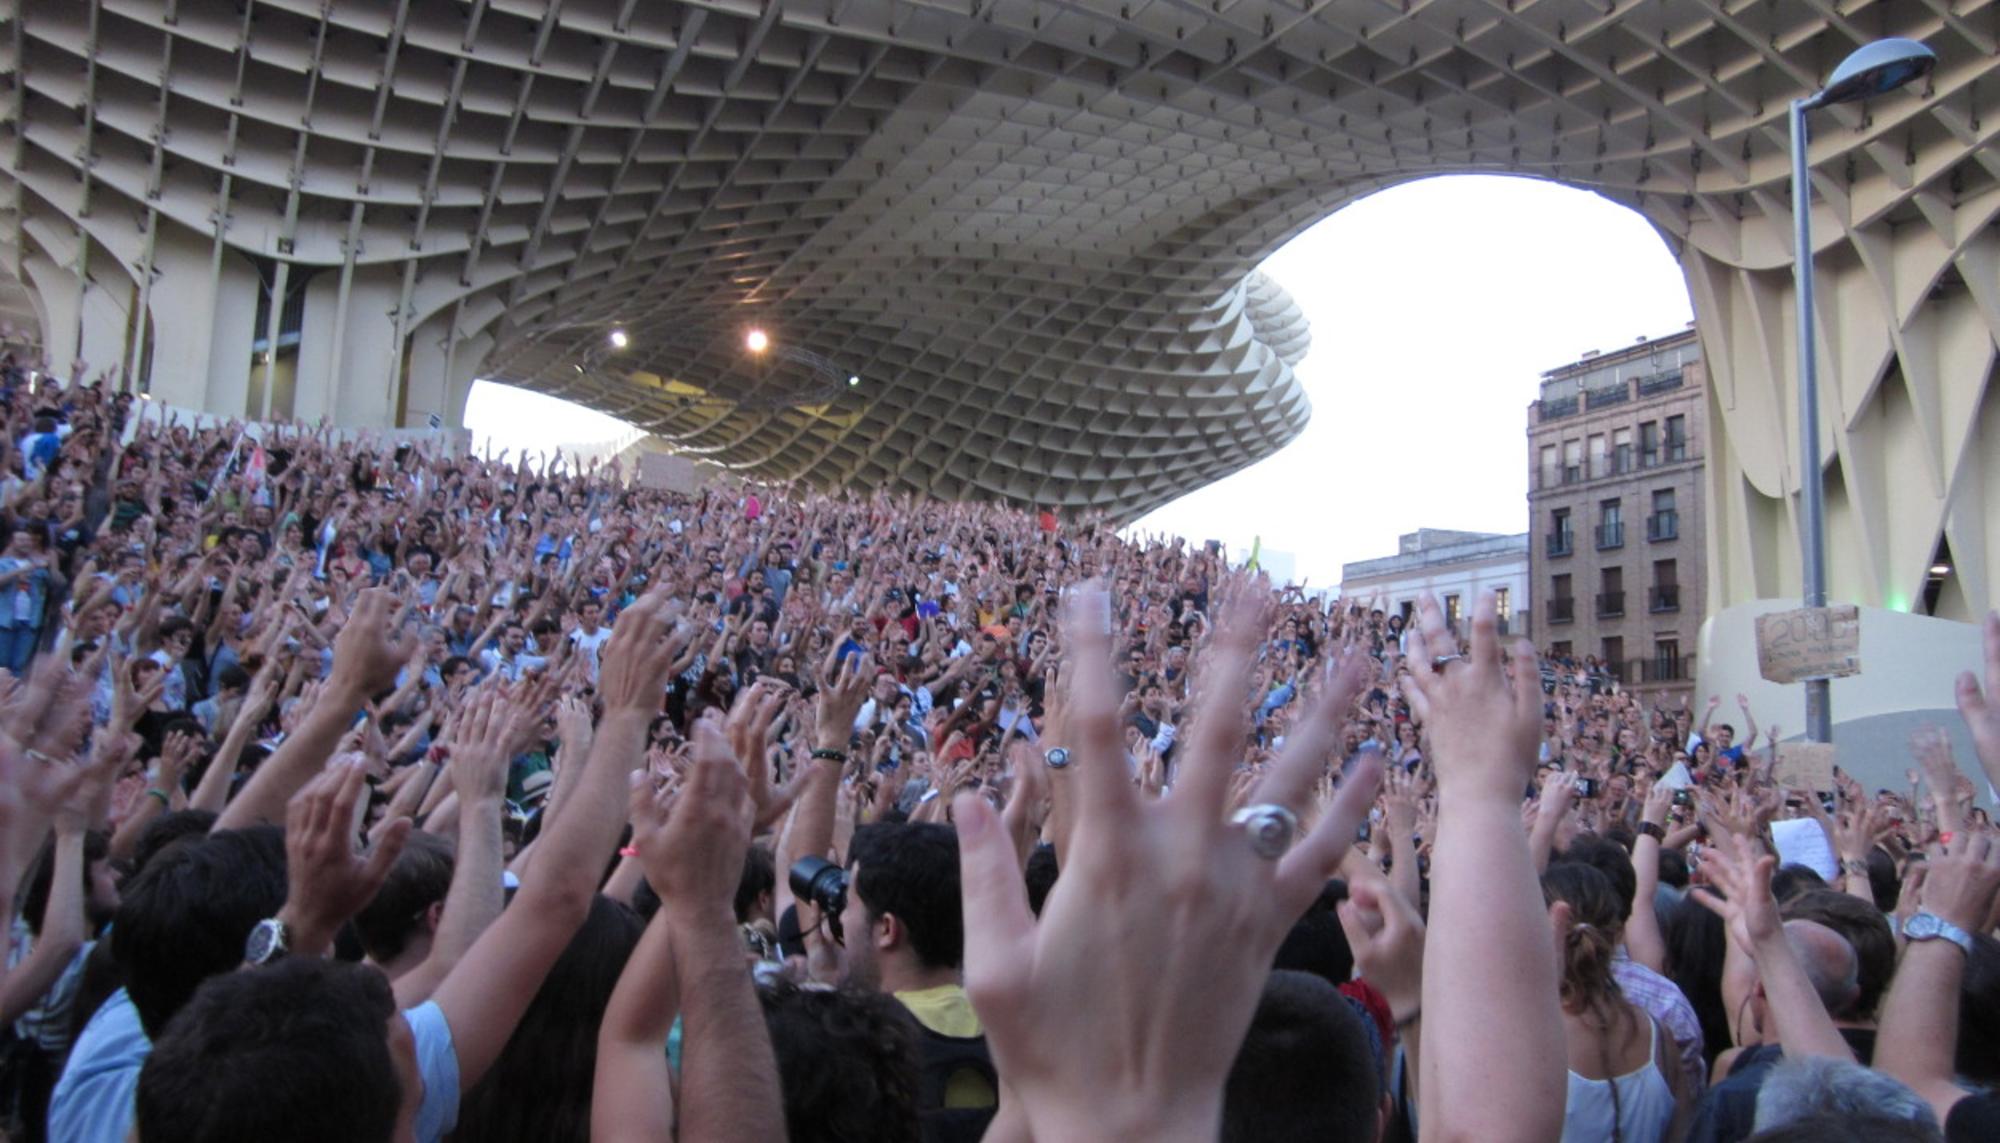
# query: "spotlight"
[[619, 340], [1940, 570], [757, 341]]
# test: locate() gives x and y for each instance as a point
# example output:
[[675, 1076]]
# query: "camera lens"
[[824, 884]]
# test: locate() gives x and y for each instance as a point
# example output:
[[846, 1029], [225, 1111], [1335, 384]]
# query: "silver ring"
[[1442, 661], [1270, 828], [1057, 757]]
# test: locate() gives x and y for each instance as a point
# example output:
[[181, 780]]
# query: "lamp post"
[[1873, 69]]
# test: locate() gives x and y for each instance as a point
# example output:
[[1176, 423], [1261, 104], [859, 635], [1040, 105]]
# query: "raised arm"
[[486, 742], [1981, 707], [366, 657], [212, 792], [1919, 1029], [810, 831], [484, 996], [1750, 913], [1493, 1059], [1643, 939], [729, 1075]]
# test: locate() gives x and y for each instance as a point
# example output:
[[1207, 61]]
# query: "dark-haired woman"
[[1623, 1073]]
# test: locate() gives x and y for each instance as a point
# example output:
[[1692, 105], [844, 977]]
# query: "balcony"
[[1573, 474], [1677, 451], [1664, 597], [1610, 604], [1660, 383], [1610, 536], [1560, 544], [1663, 669], [1649, 458], [1607, 397], [1558, 408], [1562, 609], [1621, 460], [1663, 526]]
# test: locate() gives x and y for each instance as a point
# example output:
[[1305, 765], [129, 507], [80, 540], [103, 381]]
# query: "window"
[[1611, 592], [1599, 465], [1551, 467], [1561, 650], [1560, 538], [1621, 451], [1649, 444], [1503, 606], [1562, 605], [1665, 522], [1677, 438], [1451, 610], [1610, 524], [1666, 659], [1666, 594], [1572, 461], [1614, 656]]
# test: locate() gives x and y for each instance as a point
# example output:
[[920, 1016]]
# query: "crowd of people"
[[353, 790]]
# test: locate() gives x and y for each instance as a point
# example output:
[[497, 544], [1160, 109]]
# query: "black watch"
[[267, 944]]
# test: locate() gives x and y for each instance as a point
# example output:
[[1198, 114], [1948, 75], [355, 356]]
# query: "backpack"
[[940, 1059]]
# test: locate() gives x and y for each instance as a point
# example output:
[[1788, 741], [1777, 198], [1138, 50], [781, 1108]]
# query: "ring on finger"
[[1442, 661], [1270, 828], [1057, 757]]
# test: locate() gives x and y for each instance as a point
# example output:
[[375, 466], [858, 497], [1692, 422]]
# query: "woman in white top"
[[1622, 1087]]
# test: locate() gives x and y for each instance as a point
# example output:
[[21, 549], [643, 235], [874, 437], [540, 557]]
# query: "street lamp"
[[1873, 69]]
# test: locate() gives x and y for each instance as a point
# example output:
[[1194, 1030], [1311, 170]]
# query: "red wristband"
[[629, 851]]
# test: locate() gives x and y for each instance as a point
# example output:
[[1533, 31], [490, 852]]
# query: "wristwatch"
[[1930, 927], [267, 943]]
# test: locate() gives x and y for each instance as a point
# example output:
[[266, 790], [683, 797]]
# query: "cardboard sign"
[[1809, 643], [1804, 766]]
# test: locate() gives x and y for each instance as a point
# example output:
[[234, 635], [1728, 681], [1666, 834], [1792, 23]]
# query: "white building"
[[1454, 566]]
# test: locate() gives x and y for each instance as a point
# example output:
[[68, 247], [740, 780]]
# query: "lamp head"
[[1875, 69]]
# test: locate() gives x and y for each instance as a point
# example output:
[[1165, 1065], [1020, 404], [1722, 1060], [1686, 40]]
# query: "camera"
[[1683, 797], [824, 884], [1586, 787]]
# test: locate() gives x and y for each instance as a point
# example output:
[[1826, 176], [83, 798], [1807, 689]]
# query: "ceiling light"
[[619, 340], [853, 381], [1940, 569], [757, 341]]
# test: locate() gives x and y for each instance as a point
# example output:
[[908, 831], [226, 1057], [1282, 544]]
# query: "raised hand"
[[843, 690], [1097, 1036], [634, 664], [1980, 706], [692, 841], [370, 650], [1387, 936], [1483, 711], [329, 879], [1745, 904]]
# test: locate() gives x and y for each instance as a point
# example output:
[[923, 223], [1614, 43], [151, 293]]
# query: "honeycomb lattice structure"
[[1029, 227]]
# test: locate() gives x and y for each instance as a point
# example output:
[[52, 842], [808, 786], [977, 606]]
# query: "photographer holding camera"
[[893, 923]]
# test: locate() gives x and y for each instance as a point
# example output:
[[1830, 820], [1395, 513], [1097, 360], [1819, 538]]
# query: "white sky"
[[1435, 308]]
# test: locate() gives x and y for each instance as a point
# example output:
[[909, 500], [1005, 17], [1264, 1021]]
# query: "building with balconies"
[[1455, 567], [1616, 442]]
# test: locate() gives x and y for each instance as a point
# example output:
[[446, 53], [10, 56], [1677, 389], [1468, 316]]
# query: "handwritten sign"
[[1809, 643], [1804, 766]]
